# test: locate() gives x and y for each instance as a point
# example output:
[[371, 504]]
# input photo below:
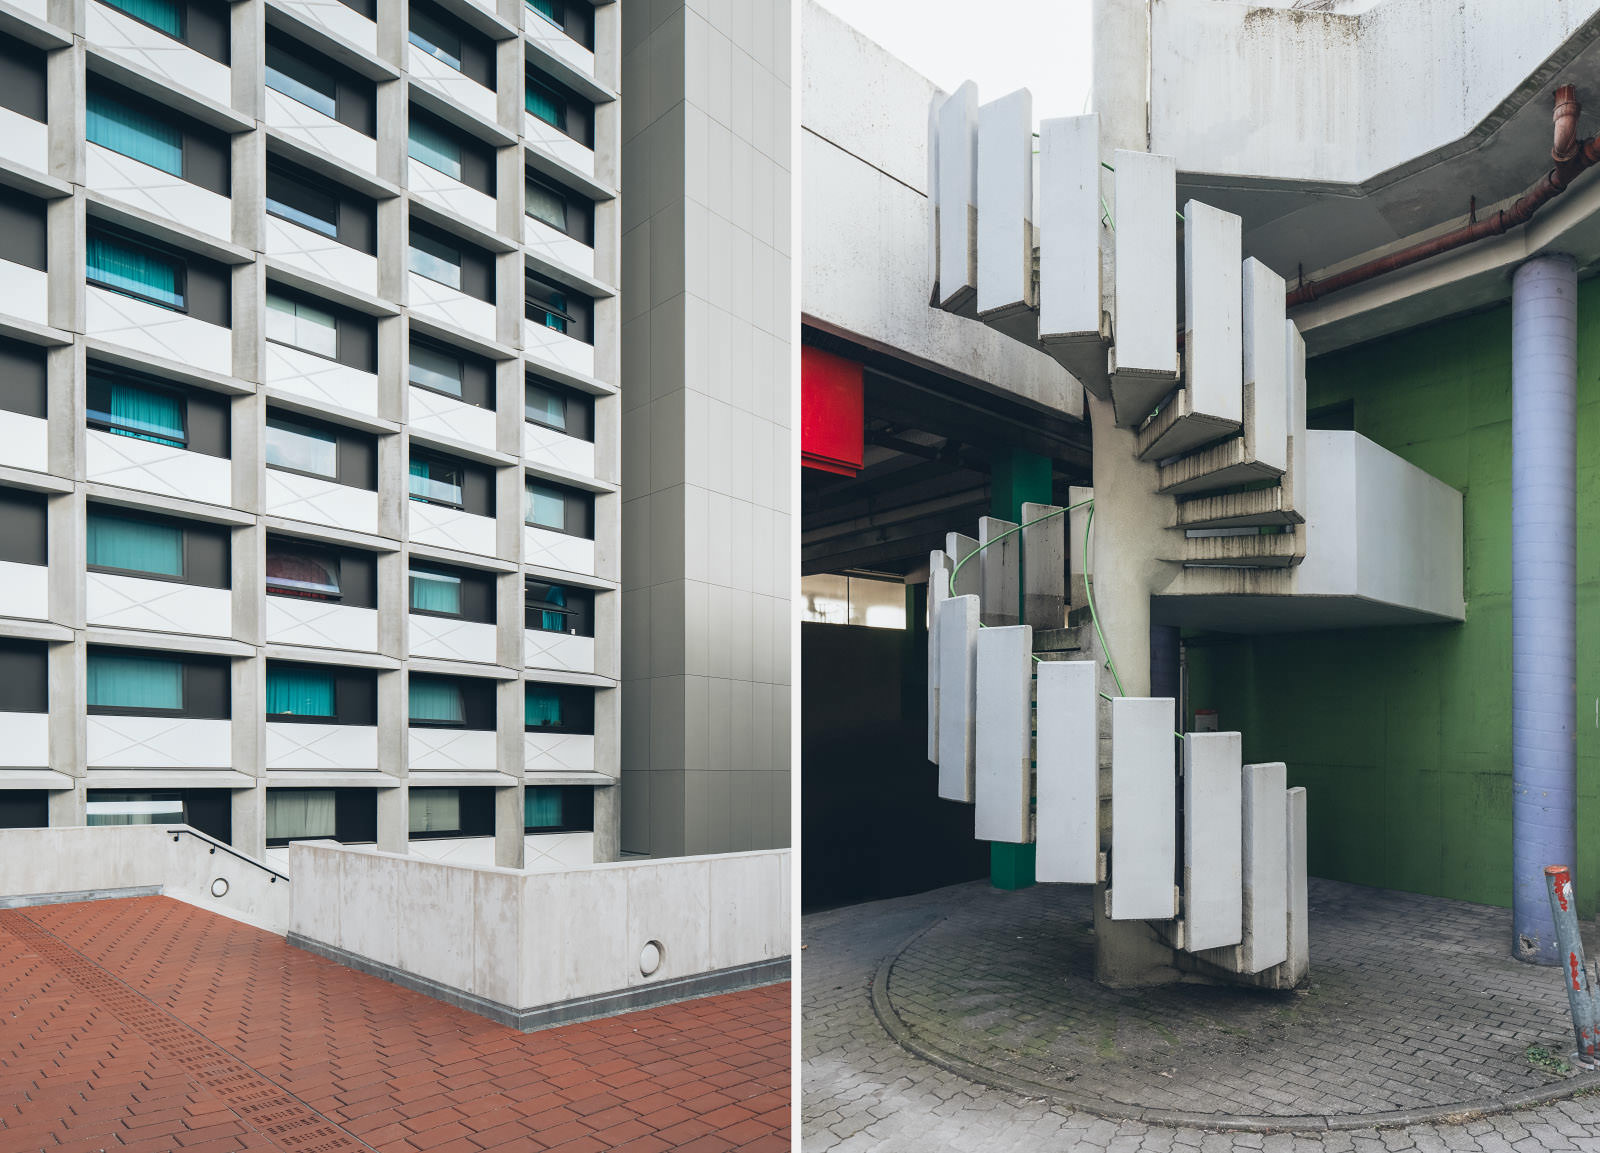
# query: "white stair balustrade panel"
[[311, 128], [1044, 566], [119, 742], [320, 501], [27, 589], [159, 193], [556, 42], [935, 105], [449, 306], [122, 36], [429, 184], [1265, 940], [557, 753], [156, 331], [552, 650], [320, 624], [24, 291], [433, 412], [958, 547], [557, 550], [320, 379], [1143, 810], [1266, 367], [130, 602], [1006, 299], [454, 86], [450, 639], [24, 141], [443, 527], [24, 740], [958, 201], [321, 256], [338, 20], [939, 567], [451, 750], [546, 446], [1068, 786], [1297, 891], [1071, 312], [999, 572], [555, 347], [957, 637], [1080, 536], [1294, 477], [547, 138], [297, 746], [557, 247], [133, 462], [1213, 900], [1144, 356], [1003, 750], [24, 441]]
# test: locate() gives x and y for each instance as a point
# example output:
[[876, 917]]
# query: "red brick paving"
[[146, 1024]]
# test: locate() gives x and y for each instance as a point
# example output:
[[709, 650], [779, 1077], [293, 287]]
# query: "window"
[[300, 814], [433, 368], [432, 37], [135, 134], [301, 448], [163, 15], [436, 701], [134, 683], [24, 524], [436, 481], [24, 809], [298, 323], [435, 148], [435, 259], [134, 270], [558, 509], [554, 809], [134, 545], [563, 409], [435, 592], [546, 406], [546, 104], [297, 571], [299, 691], [24, 678], [108, 808], [546, 303], [552, 10], [554, 608], [300, 80], [435, 811], [134, 409], [547, 204], [558, 708], [300, 202]]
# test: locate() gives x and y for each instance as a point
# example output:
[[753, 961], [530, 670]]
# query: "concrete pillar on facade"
[[1544, 380]]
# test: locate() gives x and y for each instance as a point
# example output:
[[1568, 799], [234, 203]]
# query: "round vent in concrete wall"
[[219, 887], [650, 957]]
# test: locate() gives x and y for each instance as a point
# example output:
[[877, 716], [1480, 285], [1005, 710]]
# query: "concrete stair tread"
[[1253, 550], [1224, 465], [1256, 507], [1178, 429]]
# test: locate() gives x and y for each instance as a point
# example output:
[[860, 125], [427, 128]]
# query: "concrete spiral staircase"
[[1178, 831]]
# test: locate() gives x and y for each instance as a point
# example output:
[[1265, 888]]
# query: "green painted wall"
[[1402, 736]]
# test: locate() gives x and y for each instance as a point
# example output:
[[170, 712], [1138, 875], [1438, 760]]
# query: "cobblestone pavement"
[[148, 1025], [860, 1090]]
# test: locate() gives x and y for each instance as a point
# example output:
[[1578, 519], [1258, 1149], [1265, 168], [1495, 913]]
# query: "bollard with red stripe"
[[1575, 974]]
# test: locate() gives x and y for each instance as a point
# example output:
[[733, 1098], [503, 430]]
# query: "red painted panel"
[[831, 412]]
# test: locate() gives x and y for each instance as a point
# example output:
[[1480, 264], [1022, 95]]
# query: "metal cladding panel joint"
[[958, 199], [1069, 229], [1213, 847], [959, 546], [1000, 564], [1044, 566], [939, 567], [1005, 205], [1068, 778], [1004, 740], [1213, 344], [1143, 810], [1266, 367], [1266, 864], [958, 667], [1146, 279]]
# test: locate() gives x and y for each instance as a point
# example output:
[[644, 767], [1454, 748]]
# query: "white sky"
[[1041, 45]]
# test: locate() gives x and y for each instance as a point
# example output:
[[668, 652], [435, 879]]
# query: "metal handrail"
[[230, 850]]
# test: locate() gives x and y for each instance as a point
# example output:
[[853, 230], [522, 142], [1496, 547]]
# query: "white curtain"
[[296, 813], [435, 810]]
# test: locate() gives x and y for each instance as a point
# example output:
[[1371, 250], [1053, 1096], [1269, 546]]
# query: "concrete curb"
[[1457, 1112]]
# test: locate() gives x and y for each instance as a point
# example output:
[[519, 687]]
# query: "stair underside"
[[1224, 465], [1178, 429], [1262, 506], [1255, 550], [1083, 354], [1135, 394]]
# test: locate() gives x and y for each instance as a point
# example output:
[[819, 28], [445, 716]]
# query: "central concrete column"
[[1544, 386]]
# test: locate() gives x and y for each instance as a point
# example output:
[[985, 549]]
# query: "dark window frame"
[[581, 725], [464, 576], [584, 612], [180, 279], [189, 663], [569, 495], [186, 577], [138, 381]]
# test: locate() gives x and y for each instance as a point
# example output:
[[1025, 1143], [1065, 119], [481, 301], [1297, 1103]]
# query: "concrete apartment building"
[[312, 427]]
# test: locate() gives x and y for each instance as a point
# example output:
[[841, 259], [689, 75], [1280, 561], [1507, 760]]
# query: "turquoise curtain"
[[541, 808], [546, 507], [546, 106], [435, 149], [299, 692], [134, 134], [136, 411], [553, 319], [125, 682], [134, 271], [541, 707], [436, 701], [162, 14], [555, 622], [135, 545], [549, 9], [435, 592]]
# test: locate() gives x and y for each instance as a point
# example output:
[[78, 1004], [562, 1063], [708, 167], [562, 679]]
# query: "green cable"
[[1011, 532], [1088, 589]]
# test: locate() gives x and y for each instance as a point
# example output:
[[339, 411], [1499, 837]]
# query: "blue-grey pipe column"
[[1544, 383]]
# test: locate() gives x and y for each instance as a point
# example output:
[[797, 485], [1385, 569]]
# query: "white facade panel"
[[24, 441], [557, 247], [956, 634], [1266, 366], [314, 130], [558, 144], [1067, 822], [294, 745], [27, 590], [557, 753], [429, 184], [24, 740], [320, 501], [1213, 903], [132, 462], [1069, 227], [550, 650], [157, 331], [1004, 739], [338, 20], [1146, 215], [24, 291], [546, 446], [116, 742], [1005, 204], [557, 550], [165, 606], [450, 639], [318, 378], [142, 45], [23, 140], [445, 416], [1143, 809], [556, 42], [320, 624], [448, 306], [454, 86], [323, 256], [557, 348], [159, 193], [451, 528], [452, 750]]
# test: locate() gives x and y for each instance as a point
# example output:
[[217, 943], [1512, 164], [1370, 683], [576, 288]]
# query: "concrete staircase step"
[[1262, 506], [1068, 641], [1224, 465], [1178, 429], [1252, 550]]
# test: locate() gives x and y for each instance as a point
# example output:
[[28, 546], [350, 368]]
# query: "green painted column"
[[1015, 478]]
